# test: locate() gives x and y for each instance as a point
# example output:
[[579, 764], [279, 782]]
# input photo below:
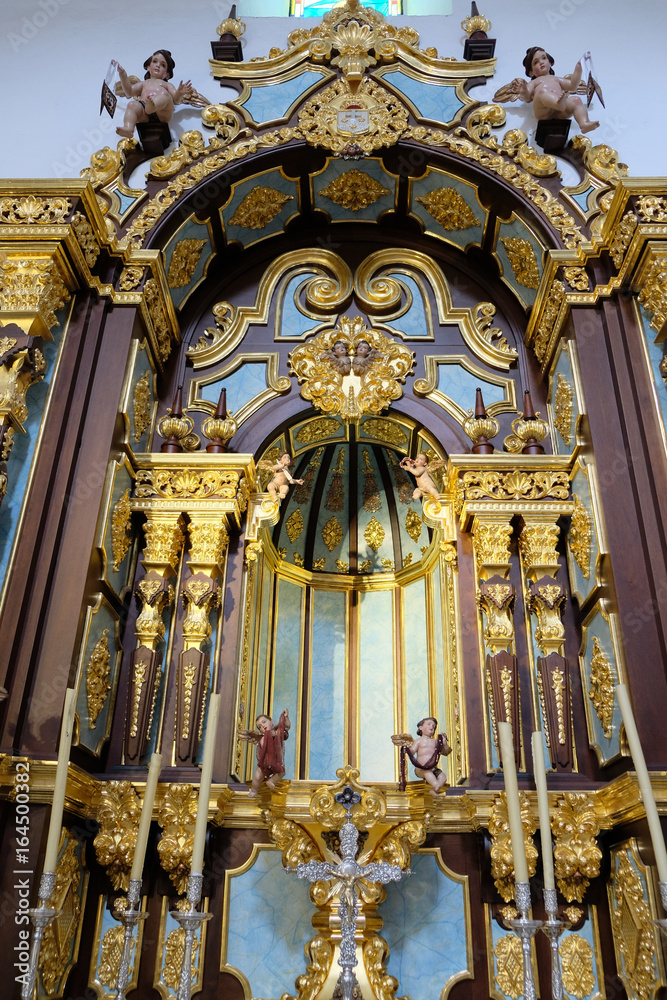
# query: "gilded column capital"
[[35, 282], [491, 538], [538, 541]]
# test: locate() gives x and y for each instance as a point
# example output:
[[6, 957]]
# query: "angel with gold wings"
[[549, 93], [420, 467], [424, 753], [270, 743], [282, 479]]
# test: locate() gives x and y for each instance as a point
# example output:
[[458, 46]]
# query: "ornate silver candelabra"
[[129, 917], [525, 929], [41, 917], [553, 928], [190, 920]]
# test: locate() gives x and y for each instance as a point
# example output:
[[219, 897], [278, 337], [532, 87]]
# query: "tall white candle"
[[146, 816], [650, 808], [60, 786], [539, 767], [205, 785], [513, 805]]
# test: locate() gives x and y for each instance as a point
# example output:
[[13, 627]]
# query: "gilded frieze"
[[563, 408], [259, 207], [522, 261], [187, 484], [512, 486], [354, 190], [601, 687], [580, 537], [118, 815], [449, 208], [32, 210], [184, 261], [576, 956], [576, 855], [98, 678]]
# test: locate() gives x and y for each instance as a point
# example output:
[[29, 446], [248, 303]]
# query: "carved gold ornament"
[[342, 566], [371, 116], [652, 208], [621, 239], [141, 401], [177, 817], [294, 525], [522, 261], [576, 278], [317, 430], [18, 373], [98, 683], [449, 208], [85, 238], [118, 814], [294, 841], [653, 292], [551, 319], [502, 862], [632, 926], [573, 914], [32, 290], [538, 546], [367, 379], [374, 534], [563, 408], [601, 687], [580, 537], [492, 543], [56, 950], [320, 953], [332, 533], [576, 957], [158, 317], [413, 525], [509, 966], [259, 207], [174, 950], [185, 484], [33, 210], [514, 485], [111, 953], [354, 190], [385, 430], [184, 261], [131, 277], [120, 529], [6, 344], [576, 854]]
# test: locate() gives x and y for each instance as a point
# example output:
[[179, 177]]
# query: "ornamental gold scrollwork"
[[320, 952], [185, 484], [374, 534], [652, 208], [576, 278], [111, 953], [622, 238], [85, 237], [98, 678], [396, 847], [514, 485], [632, 926], [174, 950], [376, 955], [496, 600], [163, 337], [601, 687], [184, 261], [318, 429], [551, 320], [331, 815], [259, 207], [602, 161], [356, 383], [120, 529], [580, 537], [118, 814], [177, 817], [576, 854], [563, 408], [32, 210], [141, 402], [449, 208], [576, 957], [372, 117], [56, 950], [294, 841], [18, 372], [653, 291], [522, 260], [502, 862], [32, 290], [191, 146], [354, 190], [509, 966], [130, 278]]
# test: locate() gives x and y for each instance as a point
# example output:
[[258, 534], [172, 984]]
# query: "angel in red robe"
[[270, 742]]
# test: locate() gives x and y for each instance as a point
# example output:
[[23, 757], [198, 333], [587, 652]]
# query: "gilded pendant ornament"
[[85, 237], [413, 525], [332, 533], [509, 966], [335, 500], [56, 951], [653, 292], [371, 494], [158, 318], [580, 537], [551, 320], [449, 208], [177, 817], [98, 683], [576, 854], [141, 402], [121, 524], [363, 374], [354, 190], [601, 687], [502, 862], [632, 926], [622, 237], [371, 116], [184, 261], [118, 814], [294, 525], [563, 408], [576, 956], [374, 534], [522, 261], [259, 207], [111, 953]]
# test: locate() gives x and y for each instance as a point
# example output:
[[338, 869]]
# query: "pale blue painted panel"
[[376, 686], [655, 352], [335, 169], [425, 928], [372, 505], [517, 230], [440, 104], [193, 231], [269, 924], [293, 322], [267, 103], [286, 664], [327, 686], [412, 323], [459, 384], [439, 584], [434, 181], [242, 385], [415, 631], [332, 500], [598, 628]]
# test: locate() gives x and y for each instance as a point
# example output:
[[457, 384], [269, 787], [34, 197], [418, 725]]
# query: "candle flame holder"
[[129, 916], [190, 920], [553, 928], [525, 929], [41, 916]]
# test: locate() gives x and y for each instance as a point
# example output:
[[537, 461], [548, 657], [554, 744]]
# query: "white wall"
[[54, 55]]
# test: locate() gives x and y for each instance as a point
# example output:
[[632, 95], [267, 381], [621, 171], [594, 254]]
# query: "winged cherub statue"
[[424, 753], [270, 742], [420, 467], [282, 479]]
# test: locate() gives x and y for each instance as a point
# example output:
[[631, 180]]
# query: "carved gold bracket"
[[502, 863], [118, 814], [177, 817], [576, 854]]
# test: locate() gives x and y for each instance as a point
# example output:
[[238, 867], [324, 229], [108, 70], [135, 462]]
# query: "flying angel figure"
[[424, 753], [270, 743], [279, 486], [420, 467]]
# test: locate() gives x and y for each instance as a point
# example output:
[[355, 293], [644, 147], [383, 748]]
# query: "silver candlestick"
[[525, 929], [662, 924], [129, 916], [41, 917], [189, 920], [553, 928]]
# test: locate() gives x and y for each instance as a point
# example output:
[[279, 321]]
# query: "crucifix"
[[348, 873]]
